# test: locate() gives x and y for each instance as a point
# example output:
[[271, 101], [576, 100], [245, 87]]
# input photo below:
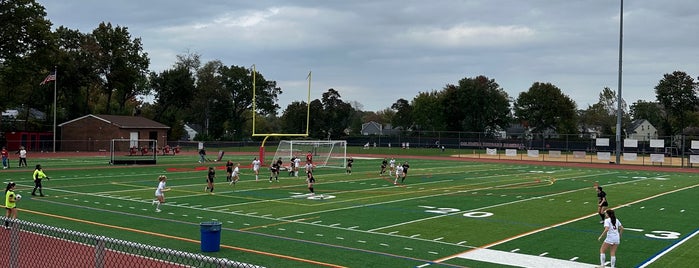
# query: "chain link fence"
[[27, 244]]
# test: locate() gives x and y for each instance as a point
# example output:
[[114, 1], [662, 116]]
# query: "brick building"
[[95, 132]]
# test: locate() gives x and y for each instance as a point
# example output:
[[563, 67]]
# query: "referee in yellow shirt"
[[38, 176]]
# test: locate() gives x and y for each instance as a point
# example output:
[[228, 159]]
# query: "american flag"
[[49, 78]]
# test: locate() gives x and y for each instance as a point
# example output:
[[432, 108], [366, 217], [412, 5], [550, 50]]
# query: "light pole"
[[618, 100]]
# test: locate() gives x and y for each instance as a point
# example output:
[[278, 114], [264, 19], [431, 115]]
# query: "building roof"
[[122, 121]]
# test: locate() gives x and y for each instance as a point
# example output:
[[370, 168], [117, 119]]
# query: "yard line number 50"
[[470, 214]]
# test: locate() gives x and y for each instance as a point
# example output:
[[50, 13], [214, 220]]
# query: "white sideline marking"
[[518, 259]]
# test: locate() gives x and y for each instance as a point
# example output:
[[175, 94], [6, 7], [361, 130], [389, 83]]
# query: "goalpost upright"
[[267, 135]]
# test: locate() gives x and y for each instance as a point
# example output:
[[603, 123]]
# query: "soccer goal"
[[326, 153], [133, 152]]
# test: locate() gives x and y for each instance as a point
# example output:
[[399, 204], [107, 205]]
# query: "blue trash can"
[[210, 236]]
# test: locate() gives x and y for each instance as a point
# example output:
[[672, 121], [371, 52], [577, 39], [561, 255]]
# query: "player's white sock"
[[602, 259], [256, 178], [613, 259]]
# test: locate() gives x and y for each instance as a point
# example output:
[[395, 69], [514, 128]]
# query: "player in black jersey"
[[384, 163], [405, 171], [348, 170]]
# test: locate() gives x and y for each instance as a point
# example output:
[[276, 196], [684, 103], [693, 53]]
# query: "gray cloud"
[[376, 52]]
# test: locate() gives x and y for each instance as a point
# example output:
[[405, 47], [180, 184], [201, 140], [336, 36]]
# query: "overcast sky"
[[377, 51]]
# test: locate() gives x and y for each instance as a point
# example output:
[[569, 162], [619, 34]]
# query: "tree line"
[[106, 71]]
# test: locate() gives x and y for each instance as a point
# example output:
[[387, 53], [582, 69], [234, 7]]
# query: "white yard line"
[[493, 206]]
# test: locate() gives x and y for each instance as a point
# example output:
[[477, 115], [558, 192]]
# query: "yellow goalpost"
[[267, 135]]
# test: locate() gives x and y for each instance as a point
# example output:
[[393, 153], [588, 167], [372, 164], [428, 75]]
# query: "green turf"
[[445, 208]]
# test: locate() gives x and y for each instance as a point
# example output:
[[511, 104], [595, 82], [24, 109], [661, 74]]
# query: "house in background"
[[641, 130], [372, 128], [95, 132]]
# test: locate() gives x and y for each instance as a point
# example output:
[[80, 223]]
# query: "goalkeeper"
[[38, 176]]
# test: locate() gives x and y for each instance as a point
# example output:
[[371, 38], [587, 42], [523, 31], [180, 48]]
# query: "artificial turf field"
[[448, 213]]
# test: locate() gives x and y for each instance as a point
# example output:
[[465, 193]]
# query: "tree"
[[602, 116], [477, 104], [676, 93], [174, 90], [122, 64], [337, 114], [26, 54], [427, 111], [544, 107], [25, 29], [403, 117]]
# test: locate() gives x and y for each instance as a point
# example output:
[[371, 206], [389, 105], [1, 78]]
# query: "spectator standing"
[[22, 156], [5, 158]]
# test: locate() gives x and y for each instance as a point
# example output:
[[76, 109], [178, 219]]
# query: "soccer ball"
[[18, 197]]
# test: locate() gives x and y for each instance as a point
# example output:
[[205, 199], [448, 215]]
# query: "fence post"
[[99, 252], [14, 242]]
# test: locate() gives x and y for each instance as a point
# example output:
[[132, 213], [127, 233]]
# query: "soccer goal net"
[[132, 152], [325, 153]]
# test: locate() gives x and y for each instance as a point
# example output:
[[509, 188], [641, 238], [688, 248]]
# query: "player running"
[[235, 175], [256, 168], [399, 174], [384, 163], [391, 166]]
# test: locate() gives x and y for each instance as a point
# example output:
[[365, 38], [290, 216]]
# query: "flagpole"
[[55, 81]]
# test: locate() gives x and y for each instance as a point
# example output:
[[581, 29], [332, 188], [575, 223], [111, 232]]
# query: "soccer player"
[[613, 229], [399, 174], [348, 170], [384, 163], [297, 165], [256, 167], [160, 192], [235, 175], [210, 176], [229, 170], [38, 176], [311, 181], [309, 158], [601, 203], [391, 166], [291, 166], [405, 171], [274, 170], [10, 203], [308, 167]]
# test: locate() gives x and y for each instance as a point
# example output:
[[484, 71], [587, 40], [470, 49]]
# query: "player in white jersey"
[[391, 166], [235, 176], [256, 168], [160, 192], [613, 229], [297, 165], [399, 174], [308, 167]]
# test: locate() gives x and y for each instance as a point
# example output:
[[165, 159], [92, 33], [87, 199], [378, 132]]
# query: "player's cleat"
[[157, 210]]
